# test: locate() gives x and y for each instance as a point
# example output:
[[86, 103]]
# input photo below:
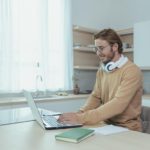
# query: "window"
[[35, 45]]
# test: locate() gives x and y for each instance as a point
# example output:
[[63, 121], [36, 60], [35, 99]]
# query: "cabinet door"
[[142, 44]]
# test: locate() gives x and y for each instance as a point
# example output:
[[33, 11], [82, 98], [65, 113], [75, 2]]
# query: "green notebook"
[[75, 135]]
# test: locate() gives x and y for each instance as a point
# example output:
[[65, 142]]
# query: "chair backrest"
[[145, 116]]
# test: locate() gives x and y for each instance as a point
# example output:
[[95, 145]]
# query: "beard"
[[106, 59]]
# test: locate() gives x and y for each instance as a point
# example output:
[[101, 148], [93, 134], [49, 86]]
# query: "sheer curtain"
[[35, 45]]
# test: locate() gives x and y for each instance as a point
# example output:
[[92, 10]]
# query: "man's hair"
[[111, 37]]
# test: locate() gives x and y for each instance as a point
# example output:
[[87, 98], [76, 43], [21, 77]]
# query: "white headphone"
[[109, 67]]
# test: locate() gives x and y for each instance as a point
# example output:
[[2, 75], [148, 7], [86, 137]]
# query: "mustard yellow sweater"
[[116, 98]]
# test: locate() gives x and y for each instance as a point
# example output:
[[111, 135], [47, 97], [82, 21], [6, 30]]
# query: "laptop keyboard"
[[52, 121]]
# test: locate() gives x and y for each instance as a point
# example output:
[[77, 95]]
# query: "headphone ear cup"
[[109, 66]]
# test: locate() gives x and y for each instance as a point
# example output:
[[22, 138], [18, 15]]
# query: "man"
[[116, 97]]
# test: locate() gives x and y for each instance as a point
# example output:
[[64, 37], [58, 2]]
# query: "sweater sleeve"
[[94, 99], [130, 84]]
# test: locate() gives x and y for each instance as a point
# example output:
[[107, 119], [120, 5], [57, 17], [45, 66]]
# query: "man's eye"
[[101, 48]]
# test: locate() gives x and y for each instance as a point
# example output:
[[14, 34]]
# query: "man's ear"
[[115, 47]]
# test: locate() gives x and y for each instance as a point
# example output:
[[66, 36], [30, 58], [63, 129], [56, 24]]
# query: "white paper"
[[110, 129]]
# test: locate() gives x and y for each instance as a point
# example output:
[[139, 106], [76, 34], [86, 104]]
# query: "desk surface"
[[16, 115], [30, 136]]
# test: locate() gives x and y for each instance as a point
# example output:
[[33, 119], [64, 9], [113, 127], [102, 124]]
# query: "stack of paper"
[[110, 129]]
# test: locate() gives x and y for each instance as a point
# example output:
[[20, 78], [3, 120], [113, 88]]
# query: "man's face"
[[104, 51]]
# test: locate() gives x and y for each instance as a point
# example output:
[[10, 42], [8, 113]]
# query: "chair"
[[145, 117]]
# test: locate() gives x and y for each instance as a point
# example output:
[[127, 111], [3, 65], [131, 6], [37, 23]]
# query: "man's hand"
[[69, 118]]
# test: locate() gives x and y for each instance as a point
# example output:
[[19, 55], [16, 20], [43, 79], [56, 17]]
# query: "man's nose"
[[98, 52]]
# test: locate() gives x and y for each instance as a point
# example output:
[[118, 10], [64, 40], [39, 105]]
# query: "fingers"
[[60, 118], [67, 117], [63, 117]]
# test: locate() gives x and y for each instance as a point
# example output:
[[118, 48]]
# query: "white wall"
[[141, 43], [116, 14]]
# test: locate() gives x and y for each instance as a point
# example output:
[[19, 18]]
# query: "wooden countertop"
[[22, 100], [146, 96]]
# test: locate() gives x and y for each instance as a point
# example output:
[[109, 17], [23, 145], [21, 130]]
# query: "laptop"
[[47, 122]]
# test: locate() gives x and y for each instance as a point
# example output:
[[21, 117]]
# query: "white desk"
[[30, 136], [14, 115]]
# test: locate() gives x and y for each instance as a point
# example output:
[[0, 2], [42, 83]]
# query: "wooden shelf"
[[92, 50], [125, 31], [86, 67], [89, 30], [127, 50], [84, 29], [146, 96], [84, 49], [145, 68]]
